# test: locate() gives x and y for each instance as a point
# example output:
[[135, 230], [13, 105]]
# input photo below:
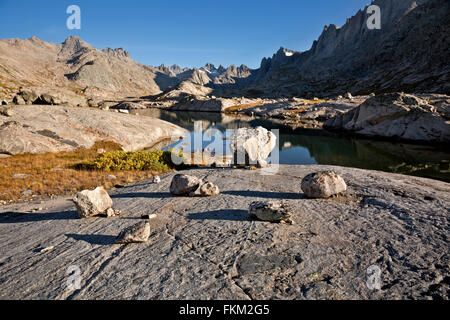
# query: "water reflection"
[[319, 147]]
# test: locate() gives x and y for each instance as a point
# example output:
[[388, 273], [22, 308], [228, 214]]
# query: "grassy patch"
[[68, 172], [120, 160], [241, 107]]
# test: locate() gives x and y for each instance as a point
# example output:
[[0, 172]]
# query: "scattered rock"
[[208, 189], [112, 177], [6, 111], [46, 99], [149, 216], [156, 179], [27, 193], [4, 103], [110, 213], [137, 233], [90, 203], [183, 185], [92, 103], [46, 249], [349, 96], [18, 100], [28, 96], [323, 184], [273, 211], [252, 145]]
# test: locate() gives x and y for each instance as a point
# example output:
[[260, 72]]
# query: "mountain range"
[[409, 53]]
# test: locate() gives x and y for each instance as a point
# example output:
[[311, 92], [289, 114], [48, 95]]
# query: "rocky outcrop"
[[323, 184], [40, 129], [192, 103], [90, 203], [396, 115], [252, 146], [352, 58]]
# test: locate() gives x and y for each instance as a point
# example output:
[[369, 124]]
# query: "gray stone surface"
[[209, 248], [42, 129], [396, 115]]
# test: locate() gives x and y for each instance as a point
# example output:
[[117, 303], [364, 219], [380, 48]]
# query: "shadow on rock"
[[99, 239], [266, 194], [227, 215], [21, 217]]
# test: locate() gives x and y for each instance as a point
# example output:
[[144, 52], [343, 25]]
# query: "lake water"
[[306, 146]]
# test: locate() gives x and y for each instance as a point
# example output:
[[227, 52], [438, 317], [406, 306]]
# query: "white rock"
[[110, 213], [91, 203], [156, 179], [323, 184], [208, 189], [254, 143]]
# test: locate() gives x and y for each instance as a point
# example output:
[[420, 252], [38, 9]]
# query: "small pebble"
[[149, 216]]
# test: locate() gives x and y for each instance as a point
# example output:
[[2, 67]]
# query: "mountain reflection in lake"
[[303, 146]]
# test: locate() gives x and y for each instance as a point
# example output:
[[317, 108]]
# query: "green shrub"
[[156, 160]]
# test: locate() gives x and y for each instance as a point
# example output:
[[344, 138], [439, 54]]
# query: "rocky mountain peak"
[[73, 46], [118, 53]]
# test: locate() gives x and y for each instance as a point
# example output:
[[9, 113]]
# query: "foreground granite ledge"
[[208, 248]]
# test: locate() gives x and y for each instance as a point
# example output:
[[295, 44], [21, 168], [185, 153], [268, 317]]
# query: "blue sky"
[[188, 33]]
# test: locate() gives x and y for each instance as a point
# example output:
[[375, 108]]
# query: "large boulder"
[[91, 203], [396, 115], [183, 185], [137, 233], [323, 184], [252, 146], [29, 96]]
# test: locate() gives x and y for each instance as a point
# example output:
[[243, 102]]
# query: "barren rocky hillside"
[[410, 53], [77, 67]]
